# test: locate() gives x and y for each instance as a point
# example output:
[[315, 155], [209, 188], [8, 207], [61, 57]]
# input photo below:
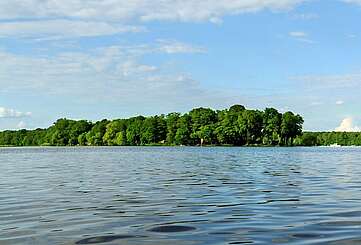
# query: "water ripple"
[[188, 196]]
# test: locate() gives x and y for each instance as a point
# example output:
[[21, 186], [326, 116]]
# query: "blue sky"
[[114, 59]]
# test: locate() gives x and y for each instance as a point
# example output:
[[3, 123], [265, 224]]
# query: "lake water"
[[188, 196]]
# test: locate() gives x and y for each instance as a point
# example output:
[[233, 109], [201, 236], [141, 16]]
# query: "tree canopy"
[[234, 126], [329, 138]]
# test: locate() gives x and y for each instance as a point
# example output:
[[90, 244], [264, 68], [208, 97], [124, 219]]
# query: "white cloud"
[[130, 67], [63, 28], [79, 18], [347, 125], [11, 113], [340, 81], [174, 47], [298, 34], [167, 46], [316, 103], [305, 16], [301, 37], [111, 75], [21, 125], [352, 1], [305, 40], [145, 10], [69, 71], [340, 102]]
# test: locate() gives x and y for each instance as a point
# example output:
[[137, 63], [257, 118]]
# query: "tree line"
[[236, 126], [329, 138]]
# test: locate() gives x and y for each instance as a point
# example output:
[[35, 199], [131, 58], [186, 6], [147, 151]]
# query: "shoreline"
[[178, 146]]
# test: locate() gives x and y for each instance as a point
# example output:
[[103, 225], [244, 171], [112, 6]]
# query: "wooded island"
[[236, 126]]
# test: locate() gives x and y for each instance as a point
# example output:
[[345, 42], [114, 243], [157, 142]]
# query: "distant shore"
[[236, 126], [180, 146]]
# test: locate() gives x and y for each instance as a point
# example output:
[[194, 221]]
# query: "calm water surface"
[[180, 196]]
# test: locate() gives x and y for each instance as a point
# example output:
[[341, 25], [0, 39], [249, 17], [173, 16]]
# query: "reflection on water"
[[135, 195], [103, 239], [172, 228]]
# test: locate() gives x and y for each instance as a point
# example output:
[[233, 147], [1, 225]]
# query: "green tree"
[[272, 120], [235, 126], [183, 135], [201, 117], [291, 127], [250, 126], [95, 136], [82, 139], [149, 131], [114, 130], [207, 134], [172, 127], [134, 130], [76, 128], [227, 131]]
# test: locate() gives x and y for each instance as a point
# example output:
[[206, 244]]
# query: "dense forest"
[[329, 138], [236, 126]]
